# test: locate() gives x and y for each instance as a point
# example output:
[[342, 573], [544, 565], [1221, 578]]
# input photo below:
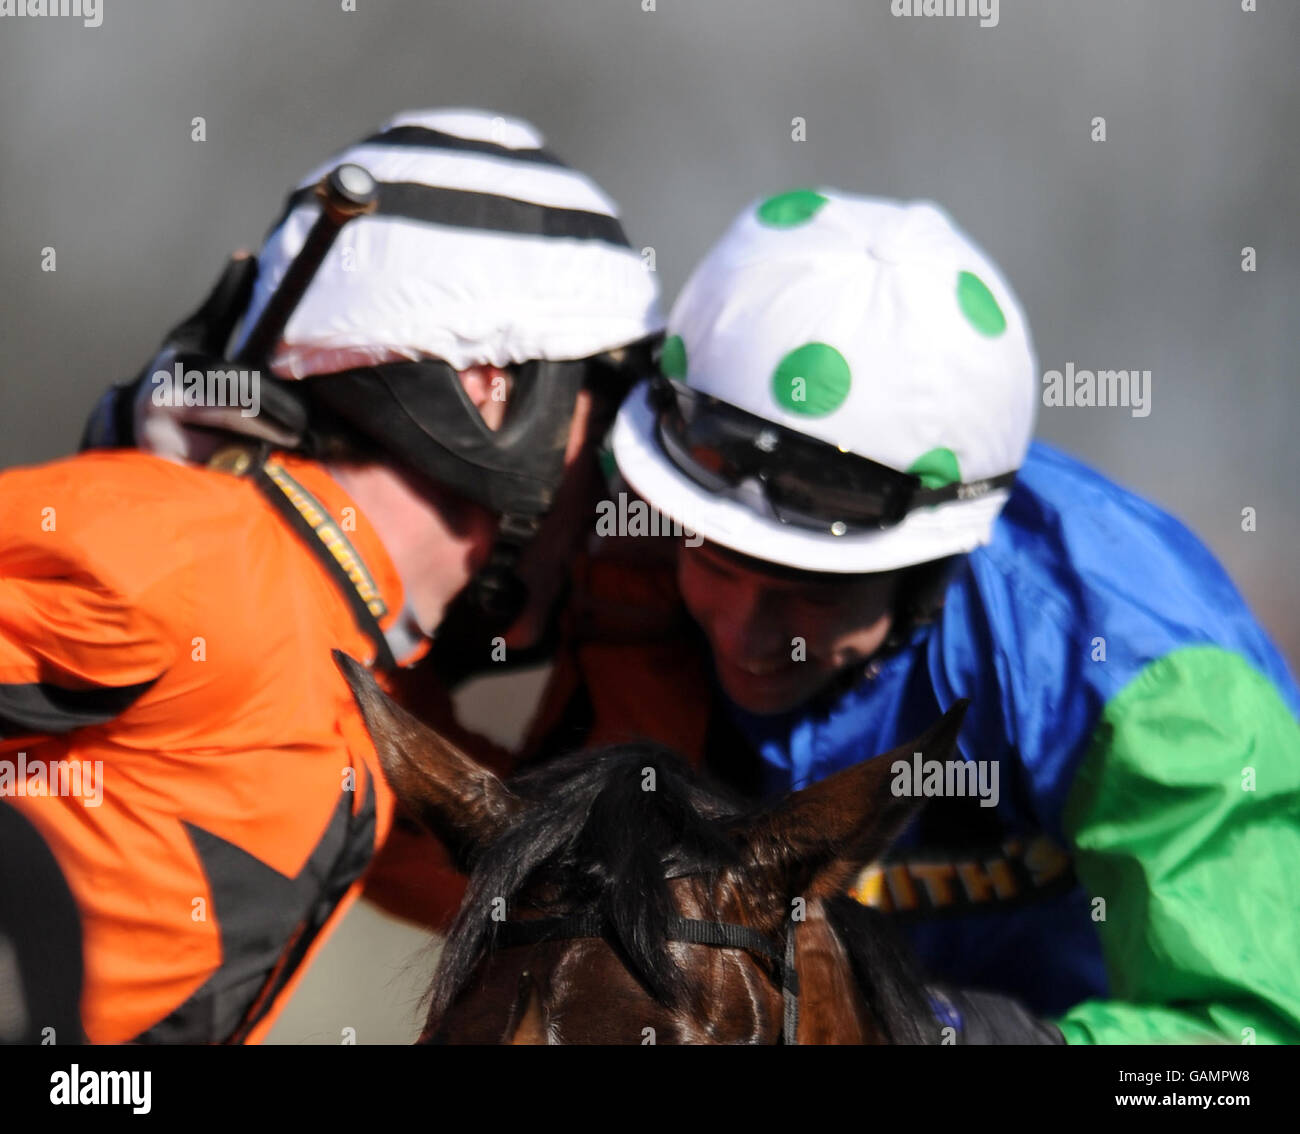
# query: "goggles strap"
[[665, 400]]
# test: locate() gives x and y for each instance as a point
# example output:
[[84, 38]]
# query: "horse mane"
[[889, 978], [596, 834]]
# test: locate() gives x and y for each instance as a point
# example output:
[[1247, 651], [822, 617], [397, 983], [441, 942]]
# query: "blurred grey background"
[[1126, 253]]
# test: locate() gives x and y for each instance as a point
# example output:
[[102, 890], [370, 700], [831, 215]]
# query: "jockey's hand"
[[990, 1018], [202, 334]]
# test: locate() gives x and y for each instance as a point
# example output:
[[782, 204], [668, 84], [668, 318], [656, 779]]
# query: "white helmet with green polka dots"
[[872, 338]]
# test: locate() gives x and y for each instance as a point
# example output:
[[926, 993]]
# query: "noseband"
[[718, 934]]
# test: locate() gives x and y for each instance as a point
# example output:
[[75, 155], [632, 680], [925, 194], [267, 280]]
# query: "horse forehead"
[[593, 998], [723, 896], [695, 895]]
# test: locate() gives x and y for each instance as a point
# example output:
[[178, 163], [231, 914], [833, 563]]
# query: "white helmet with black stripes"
[[481, 248], [448, 239], [486, 250], [477, 246]]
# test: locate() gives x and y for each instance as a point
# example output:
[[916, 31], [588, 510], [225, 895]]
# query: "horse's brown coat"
[[580, 991]]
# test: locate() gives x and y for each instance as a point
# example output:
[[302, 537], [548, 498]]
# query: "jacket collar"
[[341, 533]]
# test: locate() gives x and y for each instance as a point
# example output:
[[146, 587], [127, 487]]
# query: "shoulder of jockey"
[[169, 611], [1143, 724], [190, 684], [1104, 607], [1155, 726], [99, 613]]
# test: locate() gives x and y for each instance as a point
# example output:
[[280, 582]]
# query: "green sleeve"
[[1185, 819]]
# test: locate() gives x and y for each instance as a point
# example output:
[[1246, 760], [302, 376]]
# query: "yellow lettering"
[[935, 876], [981, 883], [900, 888], [870, 889]]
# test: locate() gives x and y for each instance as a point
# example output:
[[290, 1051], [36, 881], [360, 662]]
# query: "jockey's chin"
[[764, 690], [780, 637]]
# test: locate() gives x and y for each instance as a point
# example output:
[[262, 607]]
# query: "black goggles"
[[806, 482]]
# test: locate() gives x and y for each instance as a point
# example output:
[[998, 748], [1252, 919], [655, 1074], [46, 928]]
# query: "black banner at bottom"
[[236, 1085]]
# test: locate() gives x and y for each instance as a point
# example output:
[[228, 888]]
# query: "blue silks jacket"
[[1145, 732]]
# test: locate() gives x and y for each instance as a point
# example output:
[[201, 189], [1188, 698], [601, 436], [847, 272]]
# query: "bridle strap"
[[692, 931], [790, 1000]]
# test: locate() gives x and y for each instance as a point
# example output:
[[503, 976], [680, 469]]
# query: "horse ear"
[[457, 798], [531, 1027], [817, 840]]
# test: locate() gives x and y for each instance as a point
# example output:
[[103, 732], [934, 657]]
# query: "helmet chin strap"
[[497, 590], [494, 597]]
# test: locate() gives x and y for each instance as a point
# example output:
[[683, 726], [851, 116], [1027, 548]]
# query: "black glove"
[[197, 341], [990, 1018]]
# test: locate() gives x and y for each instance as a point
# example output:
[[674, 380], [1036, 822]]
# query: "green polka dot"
[[672, 357], [812, 379], [979, 306], [786, 210], [608, 465], [937, 468]]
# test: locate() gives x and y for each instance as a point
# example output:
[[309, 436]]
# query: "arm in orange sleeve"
[[74, 651]]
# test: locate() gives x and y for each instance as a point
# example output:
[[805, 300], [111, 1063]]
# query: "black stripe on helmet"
[[461, 208], [423, 138]]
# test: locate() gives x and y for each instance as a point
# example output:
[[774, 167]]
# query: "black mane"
[[889, 978], [595, 836]]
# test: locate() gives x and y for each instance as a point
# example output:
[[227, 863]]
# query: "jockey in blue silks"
[[844, 415]]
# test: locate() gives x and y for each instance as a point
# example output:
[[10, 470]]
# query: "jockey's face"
[[780, 636], [438, 539]]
